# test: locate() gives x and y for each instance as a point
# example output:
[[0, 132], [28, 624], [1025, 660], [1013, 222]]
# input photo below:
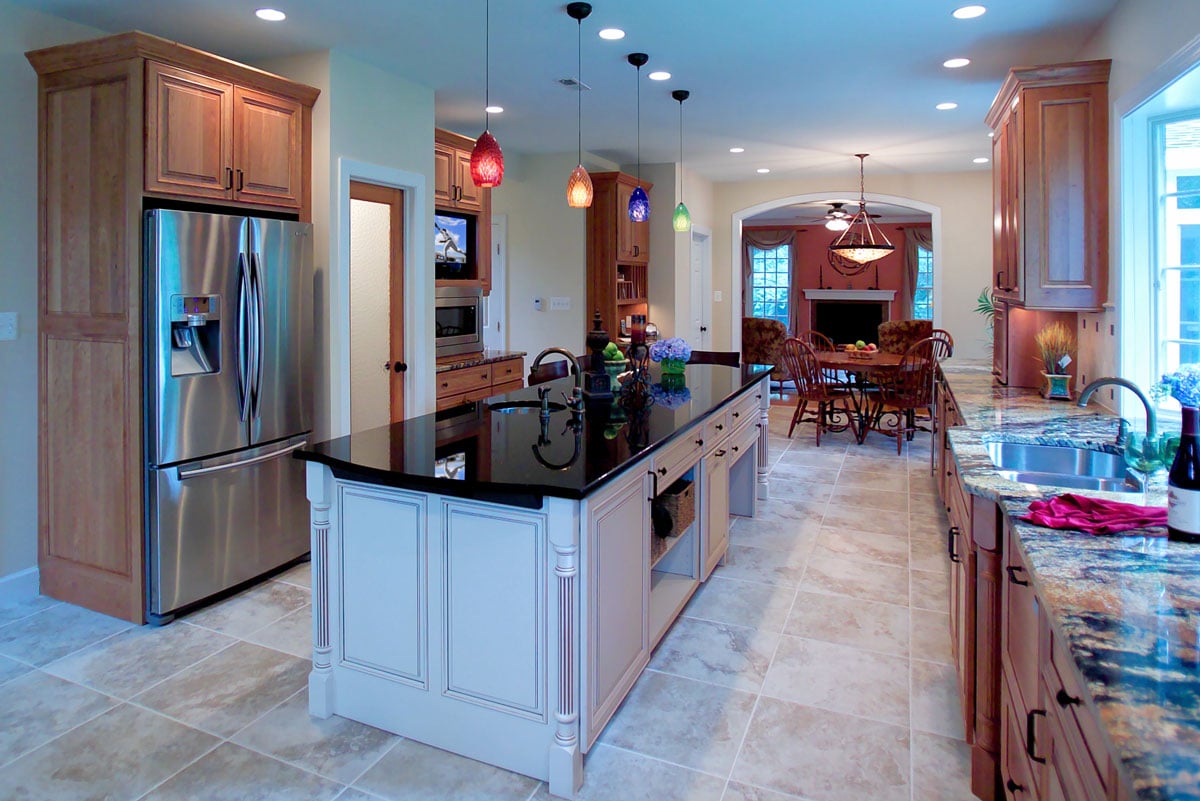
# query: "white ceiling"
[[801, 84]]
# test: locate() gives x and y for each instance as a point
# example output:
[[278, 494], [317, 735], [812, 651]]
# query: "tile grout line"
[[89, 719]]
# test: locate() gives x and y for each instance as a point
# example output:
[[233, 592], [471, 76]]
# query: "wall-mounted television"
[[453, 245]]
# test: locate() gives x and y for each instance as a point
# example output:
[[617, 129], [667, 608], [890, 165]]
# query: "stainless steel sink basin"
[[525, 407], [1058, 466]]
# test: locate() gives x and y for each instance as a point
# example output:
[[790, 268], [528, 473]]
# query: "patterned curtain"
[[914, 237], [769, 239]]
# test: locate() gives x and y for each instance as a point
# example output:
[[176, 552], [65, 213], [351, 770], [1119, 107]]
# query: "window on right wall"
[[923, 293], [1176, 306]]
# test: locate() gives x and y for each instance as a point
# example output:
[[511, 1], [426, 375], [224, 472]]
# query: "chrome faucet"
[[1151, 419], [575, 402]]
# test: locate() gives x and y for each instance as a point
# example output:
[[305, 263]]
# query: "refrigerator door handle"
[[243, 323], [257, 315], [192, 472]]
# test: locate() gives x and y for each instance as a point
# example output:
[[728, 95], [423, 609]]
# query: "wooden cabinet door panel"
[[268, 148], [617, 596], [1019, 628], [443, 175], [1016, 774], [716, 502], [470, 196], [1000, 343], [1065, 228], [189, 141], [625, 235]]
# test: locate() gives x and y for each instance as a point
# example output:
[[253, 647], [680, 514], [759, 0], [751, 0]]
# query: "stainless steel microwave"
[[458, 320]]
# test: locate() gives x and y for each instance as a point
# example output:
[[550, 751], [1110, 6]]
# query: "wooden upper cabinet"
[[1050, 175], [189, 133], [470, 196], [443, 176], [453, 187], [267, 147], [633, 238]]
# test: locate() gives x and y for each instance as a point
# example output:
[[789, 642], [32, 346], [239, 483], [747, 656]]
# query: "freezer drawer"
[[218, 522]]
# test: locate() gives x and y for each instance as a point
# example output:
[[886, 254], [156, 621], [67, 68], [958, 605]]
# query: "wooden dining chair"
[[549, 371], [804, 368], [823, 344], [908, 388], [729, 358]]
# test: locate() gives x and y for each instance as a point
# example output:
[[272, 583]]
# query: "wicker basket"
[[672, 512]]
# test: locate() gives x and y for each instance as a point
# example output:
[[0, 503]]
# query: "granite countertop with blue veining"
[[1127, 606]]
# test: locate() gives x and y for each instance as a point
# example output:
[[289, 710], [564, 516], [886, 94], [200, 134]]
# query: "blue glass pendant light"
[[639, 203], [681, 220]]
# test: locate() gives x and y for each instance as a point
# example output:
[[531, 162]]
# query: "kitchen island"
[[1078, 654], [491, 580]]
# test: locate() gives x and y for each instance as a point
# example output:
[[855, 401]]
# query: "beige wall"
[[965, 200], [21, 30], [1136, 39], [546, 251]]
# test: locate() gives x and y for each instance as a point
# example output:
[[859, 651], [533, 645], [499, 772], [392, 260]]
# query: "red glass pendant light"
[[487, 160]]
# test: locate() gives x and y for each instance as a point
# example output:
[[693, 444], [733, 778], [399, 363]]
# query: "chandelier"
[[862, 242]]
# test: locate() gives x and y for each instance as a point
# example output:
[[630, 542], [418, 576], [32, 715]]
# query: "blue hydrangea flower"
[[669, 398], [1183, 385], [672, 348]]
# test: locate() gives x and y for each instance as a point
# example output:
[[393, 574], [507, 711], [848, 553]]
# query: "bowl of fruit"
[[861, 350]]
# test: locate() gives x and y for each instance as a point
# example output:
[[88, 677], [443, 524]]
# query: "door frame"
[[418, 282], [496, 302], [393, 198], [700, 238]]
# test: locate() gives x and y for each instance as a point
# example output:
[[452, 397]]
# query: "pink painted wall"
[[810, 254]]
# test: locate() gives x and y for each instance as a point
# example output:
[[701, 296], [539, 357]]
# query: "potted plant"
[[1056, 348], [672, 354]]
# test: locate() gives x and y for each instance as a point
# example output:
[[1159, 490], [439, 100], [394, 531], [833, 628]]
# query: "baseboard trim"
[[19, 586]]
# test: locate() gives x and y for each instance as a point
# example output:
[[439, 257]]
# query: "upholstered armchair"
[[762, 343], [897, 336]]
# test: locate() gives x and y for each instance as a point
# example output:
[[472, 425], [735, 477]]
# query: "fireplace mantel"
[[886, 295]]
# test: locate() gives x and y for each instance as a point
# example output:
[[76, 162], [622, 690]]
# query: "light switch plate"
[[718, 296], [560, 304], [8, 326]]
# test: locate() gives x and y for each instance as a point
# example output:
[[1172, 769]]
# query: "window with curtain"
[[1176, 273], [923, 291], [770, 282]]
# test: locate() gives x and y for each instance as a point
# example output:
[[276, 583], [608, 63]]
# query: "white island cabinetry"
[[509, 627]]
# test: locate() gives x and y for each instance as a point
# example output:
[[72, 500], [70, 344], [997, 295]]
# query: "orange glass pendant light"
[[487, 160], [579, 185]]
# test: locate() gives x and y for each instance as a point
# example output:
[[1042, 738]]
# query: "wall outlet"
[[560, 304], [537, 304], [718, 296], [8, 326]]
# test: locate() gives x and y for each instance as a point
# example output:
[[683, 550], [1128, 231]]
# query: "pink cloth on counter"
[[1095, 516]]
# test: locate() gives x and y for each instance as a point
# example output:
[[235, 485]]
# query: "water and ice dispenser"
[[195, 334]]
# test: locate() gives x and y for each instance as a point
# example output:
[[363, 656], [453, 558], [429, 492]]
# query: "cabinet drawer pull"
[[1012, 575], [951, 537], [1065, 699], [1013, 787], [653, 492], [229, 177], [719, 453], [241, 180], [662, 471], [1031, 735]]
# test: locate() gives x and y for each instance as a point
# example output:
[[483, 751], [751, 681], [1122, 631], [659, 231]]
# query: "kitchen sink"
[[1061, 466], [524, 407]]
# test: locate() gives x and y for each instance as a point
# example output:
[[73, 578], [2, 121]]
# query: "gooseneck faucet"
[[575, 402], [1089, 390]]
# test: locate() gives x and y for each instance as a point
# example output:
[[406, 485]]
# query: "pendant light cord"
[[579, 88], [680, 151], [487, 64], [639, 125]]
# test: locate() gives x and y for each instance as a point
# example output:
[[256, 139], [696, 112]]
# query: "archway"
[[739, 217]]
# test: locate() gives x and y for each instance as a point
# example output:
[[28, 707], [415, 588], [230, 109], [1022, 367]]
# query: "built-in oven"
[[458, 320]]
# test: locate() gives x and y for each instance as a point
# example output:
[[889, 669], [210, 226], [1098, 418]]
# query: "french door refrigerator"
[[228, 397]]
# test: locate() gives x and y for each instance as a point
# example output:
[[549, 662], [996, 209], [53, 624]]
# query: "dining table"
[[863, 371]]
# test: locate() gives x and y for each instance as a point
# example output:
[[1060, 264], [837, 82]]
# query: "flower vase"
[[673, 367], [673, 382], [1057, 387]]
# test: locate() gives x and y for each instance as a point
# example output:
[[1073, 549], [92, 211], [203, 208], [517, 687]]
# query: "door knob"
[[399, 367]]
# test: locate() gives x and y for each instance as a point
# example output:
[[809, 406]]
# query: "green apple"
[[860, 344]]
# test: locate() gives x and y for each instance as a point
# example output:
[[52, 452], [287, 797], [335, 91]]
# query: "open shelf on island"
[[670, 543], [669, 593]]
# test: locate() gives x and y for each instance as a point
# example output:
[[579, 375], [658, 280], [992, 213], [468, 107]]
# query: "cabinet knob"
[[662, 471], [734, 448], [1065, 699], [736, 415], [720, 427], [699, 443]]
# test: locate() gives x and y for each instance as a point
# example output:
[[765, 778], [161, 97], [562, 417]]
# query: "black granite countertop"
[[1127, 607], [486, 356], [508, 458]]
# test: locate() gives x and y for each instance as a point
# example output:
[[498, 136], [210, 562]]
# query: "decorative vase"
[[673, 366], [614, 368], [1057, 386], [673, 382]]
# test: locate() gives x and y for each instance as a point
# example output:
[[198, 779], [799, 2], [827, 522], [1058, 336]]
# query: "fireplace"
[[846, 321]]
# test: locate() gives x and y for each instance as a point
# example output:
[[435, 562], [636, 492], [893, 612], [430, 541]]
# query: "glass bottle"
[[1183, 483]]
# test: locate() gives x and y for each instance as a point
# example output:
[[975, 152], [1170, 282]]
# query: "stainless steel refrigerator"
[[228, 397]]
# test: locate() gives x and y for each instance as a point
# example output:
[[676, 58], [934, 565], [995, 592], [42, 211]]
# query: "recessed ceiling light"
[[270, 14], [494, 109], [980, 160], [763, 170], [612, 34], [659, 76], [955, 63], [737, 150], [946, 106], [969, 12]]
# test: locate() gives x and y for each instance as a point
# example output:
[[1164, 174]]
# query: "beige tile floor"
[[815, 664]]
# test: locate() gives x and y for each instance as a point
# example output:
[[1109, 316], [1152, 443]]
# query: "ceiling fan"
[[836, 219]]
